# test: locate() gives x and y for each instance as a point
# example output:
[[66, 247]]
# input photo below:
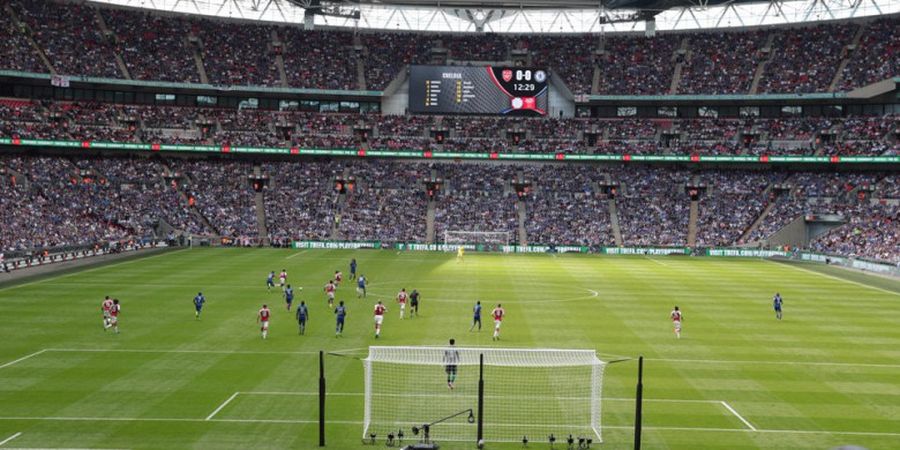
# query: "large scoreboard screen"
[[511, 91]]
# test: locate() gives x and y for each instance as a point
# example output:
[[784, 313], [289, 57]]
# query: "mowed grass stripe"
[[726, 302]]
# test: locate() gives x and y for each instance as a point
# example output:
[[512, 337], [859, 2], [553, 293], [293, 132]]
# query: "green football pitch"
[[825, 376]]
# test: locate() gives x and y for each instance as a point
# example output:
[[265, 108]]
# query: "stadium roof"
[[526, 16]]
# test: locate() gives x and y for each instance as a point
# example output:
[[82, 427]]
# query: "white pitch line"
[[354, 422], [23, 359], [780, 363], [352, 350], [10, 438], [741, 418], [658, 262], [225, 403], [594, 293], [360, 394], [211, 352], [297, 254], [793, 266]]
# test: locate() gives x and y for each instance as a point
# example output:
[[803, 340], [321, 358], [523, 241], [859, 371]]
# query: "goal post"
[[454, 238], [529, 393]]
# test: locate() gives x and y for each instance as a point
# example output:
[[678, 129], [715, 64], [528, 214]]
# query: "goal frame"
[[475, 234], [482, 358]]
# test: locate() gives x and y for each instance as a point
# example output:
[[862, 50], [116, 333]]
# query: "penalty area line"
[[10, 438], [297, 254], [741, 418], [22, 359], [224, 404]]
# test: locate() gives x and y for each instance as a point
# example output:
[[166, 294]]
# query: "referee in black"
[[414, 303], [451, 361]]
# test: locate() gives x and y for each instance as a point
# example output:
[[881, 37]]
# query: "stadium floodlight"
[[525, 392]]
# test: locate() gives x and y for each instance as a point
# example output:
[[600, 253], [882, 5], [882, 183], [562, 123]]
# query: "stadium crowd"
[[865, 135], [88, 199], [800, 60]]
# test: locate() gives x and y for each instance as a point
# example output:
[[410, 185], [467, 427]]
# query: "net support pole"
[[480, 397], [321, 398], [638, 402]]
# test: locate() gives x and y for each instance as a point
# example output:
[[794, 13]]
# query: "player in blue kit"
[[476, 318], [352, 269], [289, 296], [270, 281], [361, 286], [302, 317], [199, 300], [776, 303], [340, 314]]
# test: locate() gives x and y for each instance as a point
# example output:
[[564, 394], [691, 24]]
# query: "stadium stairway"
[[279, 58], [614, 221], [429, 222], [27, 33], [113, 39], [682, 53], [520, 211], [847, 54], [769, 49], [360, 50], [195, 44], [692, 223], [261, 224], [187, 199], [598, 56], [759, 219]]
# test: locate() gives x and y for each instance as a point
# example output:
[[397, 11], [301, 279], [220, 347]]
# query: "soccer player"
[[105, 307], [199, 300], [338, 277], [451, 361], [460, 252], [270, 281], [352, 269], [401, 299], [677, 317], [282, 279], [340, 314], [380, 309], [414, 303], [262, 318], [476, 319], [289, 296], [329, 291], [361, 286], [776, 303], [114, 315], [302, 317], [498, 314]]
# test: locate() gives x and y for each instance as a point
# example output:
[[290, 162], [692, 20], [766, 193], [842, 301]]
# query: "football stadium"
[[455, 224]]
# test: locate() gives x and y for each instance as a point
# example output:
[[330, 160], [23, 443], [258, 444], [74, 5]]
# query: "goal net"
[[453, 238], [529, 393]]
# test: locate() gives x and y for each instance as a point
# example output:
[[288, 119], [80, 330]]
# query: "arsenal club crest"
[[507, 75]]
